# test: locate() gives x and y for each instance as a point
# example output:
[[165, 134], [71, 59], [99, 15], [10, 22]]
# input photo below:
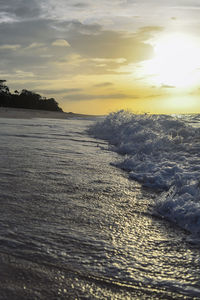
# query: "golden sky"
[[99, 56]]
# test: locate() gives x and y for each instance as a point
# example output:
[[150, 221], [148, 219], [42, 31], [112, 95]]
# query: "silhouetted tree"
[[26, 99], [5, 95], [4, 90]]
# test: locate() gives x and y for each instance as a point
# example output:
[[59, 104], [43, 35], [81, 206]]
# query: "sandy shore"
[[20, 113]]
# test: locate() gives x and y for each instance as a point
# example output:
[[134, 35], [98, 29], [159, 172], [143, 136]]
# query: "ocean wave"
[[160, 152]]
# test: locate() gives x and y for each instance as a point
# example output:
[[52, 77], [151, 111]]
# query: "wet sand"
[[21, 113], [23, 279], [75, 227]]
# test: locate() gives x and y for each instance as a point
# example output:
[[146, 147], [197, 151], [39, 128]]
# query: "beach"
[[73, 226], [21, 113]]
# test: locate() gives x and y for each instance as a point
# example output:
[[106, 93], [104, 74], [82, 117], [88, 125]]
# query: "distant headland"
[[26, 99]]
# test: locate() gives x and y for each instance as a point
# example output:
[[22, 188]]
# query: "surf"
[[162, 153]]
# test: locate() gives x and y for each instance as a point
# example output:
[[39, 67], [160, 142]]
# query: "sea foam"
[[161, 152]]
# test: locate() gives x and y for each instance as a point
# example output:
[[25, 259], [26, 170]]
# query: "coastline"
[[65, 209], [22, 113]]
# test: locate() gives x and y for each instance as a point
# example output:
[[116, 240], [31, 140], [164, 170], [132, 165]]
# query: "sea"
[[100, 208]]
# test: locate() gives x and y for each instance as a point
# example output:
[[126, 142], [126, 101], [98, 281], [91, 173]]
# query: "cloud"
[[83, 97], [152, 96], [109, 60], [74, 26], [150, 29], [6, 18], [32, 41], [60, 91], [35, 45], [26, 32], [166, 86], [10, 47], [61, 43], [23, 74], [42, 48], [42, 44], [112, 45], [20, 9], [81, 5], [103, 84]]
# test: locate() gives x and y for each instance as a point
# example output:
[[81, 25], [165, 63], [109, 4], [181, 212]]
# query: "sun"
[[176, 61]]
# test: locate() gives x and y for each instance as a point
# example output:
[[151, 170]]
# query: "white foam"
[[161, 152]]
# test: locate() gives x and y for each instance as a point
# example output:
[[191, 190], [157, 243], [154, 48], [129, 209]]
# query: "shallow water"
[[160, 152], [73, 226]]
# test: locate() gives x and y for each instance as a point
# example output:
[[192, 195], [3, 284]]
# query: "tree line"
[[25, 99]]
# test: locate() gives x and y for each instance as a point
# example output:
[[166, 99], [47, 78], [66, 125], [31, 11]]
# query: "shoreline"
[[22, 113]]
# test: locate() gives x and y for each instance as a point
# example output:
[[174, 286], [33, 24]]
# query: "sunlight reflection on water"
[[77, 222]]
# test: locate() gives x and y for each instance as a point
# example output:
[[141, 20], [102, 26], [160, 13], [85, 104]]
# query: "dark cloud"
[[28, 47], [99, 51], [81, 5], [104, 84], [75, 26], [83, 97], [60, 91], [94, 42], [152, 96], [21, 8], [146, 32], [27, 32], [32, 41], [111, 44], [166, 86]]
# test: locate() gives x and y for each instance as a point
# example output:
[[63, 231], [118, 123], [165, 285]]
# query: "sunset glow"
[[176, 61], [95, 57]]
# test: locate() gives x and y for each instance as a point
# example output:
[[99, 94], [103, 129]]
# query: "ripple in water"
[[73, 226]]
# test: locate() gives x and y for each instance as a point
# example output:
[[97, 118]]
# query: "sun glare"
[[176, 61]]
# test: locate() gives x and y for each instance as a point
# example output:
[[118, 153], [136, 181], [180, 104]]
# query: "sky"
[[95, 57]]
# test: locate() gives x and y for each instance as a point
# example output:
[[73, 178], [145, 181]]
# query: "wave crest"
[[161, 152]]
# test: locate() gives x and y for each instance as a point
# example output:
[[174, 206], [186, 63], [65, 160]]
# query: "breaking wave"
[[161, 152]]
